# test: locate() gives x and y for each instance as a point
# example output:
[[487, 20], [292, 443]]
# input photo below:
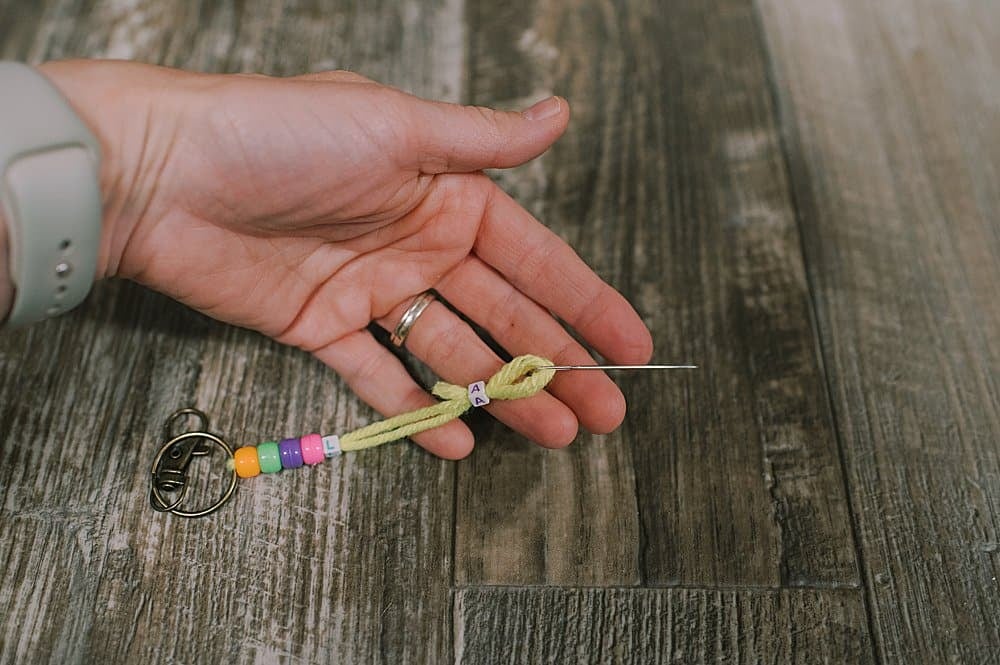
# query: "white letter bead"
[[331, 445], [477, 394]]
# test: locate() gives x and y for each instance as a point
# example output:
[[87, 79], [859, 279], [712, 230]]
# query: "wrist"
[[107, 97]]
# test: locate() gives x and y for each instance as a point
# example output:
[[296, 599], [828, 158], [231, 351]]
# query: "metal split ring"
[[169, 470]]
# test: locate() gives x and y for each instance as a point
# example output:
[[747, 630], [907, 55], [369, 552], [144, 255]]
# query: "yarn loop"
[[521, 377]]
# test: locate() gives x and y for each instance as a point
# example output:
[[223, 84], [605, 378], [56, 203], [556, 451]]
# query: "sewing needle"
[[565, 367]]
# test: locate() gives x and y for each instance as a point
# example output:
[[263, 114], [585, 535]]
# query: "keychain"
[[522, 377]]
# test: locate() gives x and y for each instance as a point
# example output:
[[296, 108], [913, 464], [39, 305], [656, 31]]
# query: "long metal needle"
[[565, 367]]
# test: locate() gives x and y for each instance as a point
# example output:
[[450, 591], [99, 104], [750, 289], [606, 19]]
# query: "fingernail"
[[543, 109]]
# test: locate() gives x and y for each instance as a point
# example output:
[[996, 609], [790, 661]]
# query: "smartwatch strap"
[[50, 191]]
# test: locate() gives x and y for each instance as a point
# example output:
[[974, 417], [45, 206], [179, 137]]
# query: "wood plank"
[[525, 625], [737, 467], [345, 562], [526, 515], [19, 23], [671, 181], [892, 133]]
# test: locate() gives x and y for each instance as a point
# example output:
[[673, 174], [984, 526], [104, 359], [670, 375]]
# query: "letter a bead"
[[477, 394]]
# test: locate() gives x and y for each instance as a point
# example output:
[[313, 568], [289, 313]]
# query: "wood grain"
[[893, 129], [671, 182], [800, 197], [513, 625], [347, 562], [526, 515], [736, 465]]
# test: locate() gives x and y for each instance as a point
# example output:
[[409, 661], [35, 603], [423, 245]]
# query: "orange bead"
[[246, 463]]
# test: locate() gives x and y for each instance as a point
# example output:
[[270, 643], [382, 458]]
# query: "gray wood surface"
[[527, 515], [893, 129], [345, 562], [689, 212], [558, 625], [800, 197]]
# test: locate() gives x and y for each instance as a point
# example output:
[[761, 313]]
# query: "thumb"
[[461, 139]]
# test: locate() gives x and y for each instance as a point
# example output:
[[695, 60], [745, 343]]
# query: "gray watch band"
[[50, 192]]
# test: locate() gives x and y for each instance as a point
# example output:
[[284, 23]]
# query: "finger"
[[453, 350], [380, 379], [334, 76], [450, 138], [520, 325], [543, 267]]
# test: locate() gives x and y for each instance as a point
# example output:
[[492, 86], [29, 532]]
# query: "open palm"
[[308, 208]]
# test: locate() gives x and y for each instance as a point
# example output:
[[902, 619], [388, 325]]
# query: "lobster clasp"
[[171, 473], [170, 468]]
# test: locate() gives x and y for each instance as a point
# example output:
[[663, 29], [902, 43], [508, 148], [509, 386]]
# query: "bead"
[[245, 462], [331, 445], [291, 453], [312, 448], [477, 394], [269, 457]]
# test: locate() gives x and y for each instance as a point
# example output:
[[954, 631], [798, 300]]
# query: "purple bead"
[[291, 453]]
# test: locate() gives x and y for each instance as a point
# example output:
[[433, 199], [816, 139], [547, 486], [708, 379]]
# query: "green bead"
[[269, 457]]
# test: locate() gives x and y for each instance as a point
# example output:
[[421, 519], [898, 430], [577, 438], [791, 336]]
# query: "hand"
[[306, 208]]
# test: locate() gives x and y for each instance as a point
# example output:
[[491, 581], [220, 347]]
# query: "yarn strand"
[[520, 378]]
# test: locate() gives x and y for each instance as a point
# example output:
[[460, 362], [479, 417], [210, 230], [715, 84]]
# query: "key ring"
[[169, 470]]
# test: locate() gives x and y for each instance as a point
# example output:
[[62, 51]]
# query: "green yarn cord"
[[521, 377]]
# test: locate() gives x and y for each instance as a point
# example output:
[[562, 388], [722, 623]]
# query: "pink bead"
[[312, 449]]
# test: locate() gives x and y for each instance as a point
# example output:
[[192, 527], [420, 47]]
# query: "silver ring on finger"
[[410, 316]]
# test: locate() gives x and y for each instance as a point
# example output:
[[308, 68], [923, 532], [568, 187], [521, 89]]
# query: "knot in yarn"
[[521, 377]]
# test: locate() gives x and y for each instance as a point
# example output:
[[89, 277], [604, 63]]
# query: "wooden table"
[[802, 197]]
